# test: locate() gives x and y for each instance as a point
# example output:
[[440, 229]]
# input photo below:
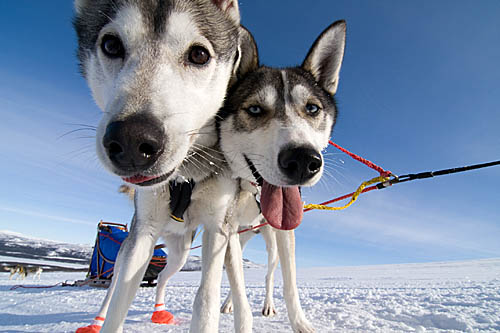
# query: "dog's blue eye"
[[112, 47], [312, 108], [254, 110]]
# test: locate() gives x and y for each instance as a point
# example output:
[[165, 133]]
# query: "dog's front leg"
[[234, 269], [132, 260], [286, 250], [269, 235], [206, 303]]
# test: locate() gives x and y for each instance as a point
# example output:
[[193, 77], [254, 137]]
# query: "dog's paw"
[[162, 317], [89, 329], [268, 310], [302, 325], [227, 307]]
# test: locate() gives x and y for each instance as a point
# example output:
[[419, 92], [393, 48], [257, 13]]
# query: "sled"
[[107, 244]]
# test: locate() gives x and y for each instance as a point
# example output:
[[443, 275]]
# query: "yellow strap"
[[355, 196], [172, 216]]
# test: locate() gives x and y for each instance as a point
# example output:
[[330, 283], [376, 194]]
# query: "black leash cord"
[[430, 174]]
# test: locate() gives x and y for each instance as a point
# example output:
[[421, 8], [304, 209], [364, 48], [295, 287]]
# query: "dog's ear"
[[80, 5], [249, 55], [325, 57], [230, 8]]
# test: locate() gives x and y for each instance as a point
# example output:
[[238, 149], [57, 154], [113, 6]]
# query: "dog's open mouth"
[[281, 206], [142, 180]]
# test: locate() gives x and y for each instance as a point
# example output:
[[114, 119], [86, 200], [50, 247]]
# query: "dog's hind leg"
[[269, 236], [227, 306], [178, 251], [285, 241], [13, 272], [234, 269]]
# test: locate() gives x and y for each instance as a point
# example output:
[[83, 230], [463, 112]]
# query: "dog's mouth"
[[141, 180], [280, 205]]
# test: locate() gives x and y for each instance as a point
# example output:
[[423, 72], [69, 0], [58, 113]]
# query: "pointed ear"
[[230, 8], [249, 55], [80, 5], [325, 57]]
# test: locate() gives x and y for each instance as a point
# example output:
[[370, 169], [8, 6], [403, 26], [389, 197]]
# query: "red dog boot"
[[95, 327], [162, 316]]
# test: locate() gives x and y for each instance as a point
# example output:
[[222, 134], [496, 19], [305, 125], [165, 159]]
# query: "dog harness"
[[180, 198]]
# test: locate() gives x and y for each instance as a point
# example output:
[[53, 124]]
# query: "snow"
[[435, 297]]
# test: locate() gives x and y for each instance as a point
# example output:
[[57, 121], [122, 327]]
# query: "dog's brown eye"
[[112, 47], [198, 55]]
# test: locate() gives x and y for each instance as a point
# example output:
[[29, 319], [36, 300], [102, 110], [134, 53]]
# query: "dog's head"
[[276, 122], [159, 69]]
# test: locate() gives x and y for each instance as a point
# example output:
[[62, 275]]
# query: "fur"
[[253, 140], [152, 77]]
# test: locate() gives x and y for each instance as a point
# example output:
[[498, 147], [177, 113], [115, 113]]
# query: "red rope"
[[368, 189], [362, 160], [358, 158], [60, 283], [253, 228], [34, 287], [110, 238]]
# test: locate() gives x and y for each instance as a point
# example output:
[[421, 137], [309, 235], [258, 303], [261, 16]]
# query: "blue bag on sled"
[[109, 238]]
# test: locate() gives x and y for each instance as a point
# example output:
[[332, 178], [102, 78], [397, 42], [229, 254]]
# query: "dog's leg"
[[285, 241], [103, 310], [206, 303], [178, 251], [227, 306], [234, 269], [22, 274], [269, 236], [133, 259]]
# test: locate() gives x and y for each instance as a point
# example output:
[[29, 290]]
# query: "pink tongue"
[[281, 206]]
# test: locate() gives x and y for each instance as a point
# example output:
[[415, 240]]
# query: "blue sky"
[[419, 90]]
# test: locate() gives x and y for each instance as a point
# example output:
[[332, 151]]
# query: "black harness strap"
[[180, 198]]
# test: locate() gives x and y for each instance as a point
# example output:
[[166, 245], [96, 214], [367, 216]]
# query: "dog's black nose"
[[135, 143], [299, 164]]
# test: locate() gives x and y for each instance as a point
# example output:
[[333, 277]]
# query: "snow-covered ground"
[[436, 297]]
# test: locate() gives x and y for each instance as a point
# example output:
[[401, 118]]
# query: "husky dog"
[[273, 128], [18, 269], [23, 272], [159, 70], [35, 271]]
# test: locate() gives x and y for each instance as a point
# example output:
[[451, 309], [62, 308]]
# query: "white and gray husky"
[[159, 70], [272, 130]]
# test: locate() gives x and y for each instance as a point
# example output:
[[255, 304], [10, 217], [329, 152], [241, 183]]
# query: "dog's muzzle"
[[299, 164], [133, 145]]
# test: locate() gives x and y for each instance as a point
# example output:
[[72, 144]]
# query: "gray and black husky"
[[159, 71], [273, 129]]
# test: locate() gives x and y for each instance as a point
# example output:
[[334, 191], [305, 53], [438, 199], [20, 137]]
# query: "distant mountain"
[[16, 248], [20, 247]]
